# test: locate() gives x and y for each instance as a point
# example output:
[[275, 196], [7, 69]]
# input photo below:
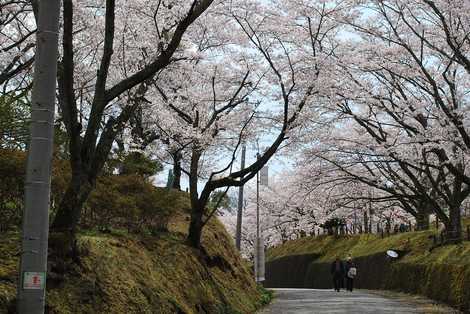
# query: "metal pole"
[[257, 242], [257, 226], [238, 237], [33, 266], [355, 219], [257, 206], [371, 212], [366, 222]]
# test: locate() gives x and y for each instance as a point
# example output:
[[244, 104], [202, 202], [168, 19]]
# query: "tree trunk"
[[366, 222], [422, 218], [454, 228], [68, 215], [388, 226], [423, 215], [177, 170], [197, 205], [195, 228]]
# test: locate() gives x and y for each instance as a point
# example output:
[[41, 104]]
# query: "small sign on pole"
[[34, 281]]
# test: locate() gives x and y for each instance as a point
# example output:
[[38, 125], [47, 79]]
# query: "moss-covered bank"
[[122, 273], [441, 273]]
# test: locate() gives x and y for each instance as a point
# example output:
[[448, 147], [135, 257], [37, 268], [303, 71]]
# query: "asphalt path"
[[311, 301]]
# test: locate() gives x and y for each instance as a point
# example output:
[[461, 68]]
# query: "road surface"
[[310, 301]]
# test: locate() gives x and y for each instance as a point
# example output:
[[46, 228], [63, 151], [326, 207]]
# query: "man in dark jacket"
[[350, 271], [338, 272]]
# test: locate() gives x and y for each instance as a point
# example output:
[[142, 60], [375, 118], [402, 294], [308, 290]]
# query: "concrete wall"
[[302, 271], [371, 273], [289, 271]]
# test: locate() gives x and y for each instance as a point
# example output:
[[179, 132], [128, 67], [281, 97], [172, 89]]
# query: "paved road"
[[307, 301]]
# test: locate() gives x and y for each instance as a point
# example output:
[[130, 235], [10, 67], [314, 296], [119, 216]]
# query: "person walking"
[[338, 272], [351, 272]]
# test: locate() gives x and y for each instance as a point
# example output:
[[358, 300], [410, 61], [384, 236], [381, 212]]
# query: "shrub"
[[119, 201], [12, 173], [126, 201]]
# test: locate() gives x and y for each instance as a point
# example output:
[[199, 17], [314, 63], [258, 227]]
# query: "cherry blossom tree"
[[424, 84], [110, 56], [17, 29], [369, 96], [282, 74], [389, 122], [398, 106]]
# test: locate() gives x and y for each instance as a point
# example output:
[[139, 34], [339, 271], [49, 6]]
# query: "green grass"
[[9, 251], [130, 273], [266, 295], [418, 243]]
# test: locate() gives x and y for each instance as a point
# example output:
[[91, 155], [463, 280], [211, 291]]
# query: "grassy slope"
[[122, 273], [362, 245]]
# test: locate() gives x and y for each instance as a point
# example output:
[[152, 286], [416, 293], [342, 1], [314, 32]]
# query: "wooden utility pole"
[[31, 297]]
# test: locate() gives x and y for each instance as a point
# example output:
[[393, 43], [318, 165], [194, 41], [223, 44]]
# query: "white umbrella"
[[392, 254]]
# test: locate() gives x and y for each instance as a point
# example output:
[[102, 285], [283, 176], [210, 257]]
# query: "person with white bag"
[[351, 272]]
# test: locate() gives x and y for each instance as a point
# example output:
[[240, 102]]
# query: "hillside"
[[129, 273], [417, 243], [441, 273]]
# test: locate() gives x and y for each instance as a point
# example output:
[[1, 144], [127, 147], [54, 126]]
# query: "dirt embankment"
[[123, 273]]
